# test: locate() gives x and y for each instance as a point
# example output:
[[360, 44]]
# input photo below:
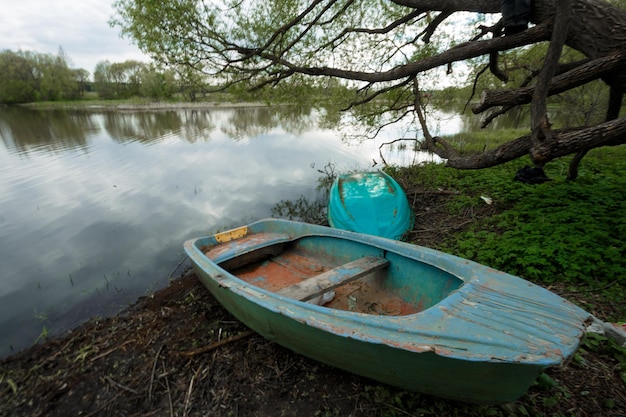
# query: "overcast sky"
[[79, 26]]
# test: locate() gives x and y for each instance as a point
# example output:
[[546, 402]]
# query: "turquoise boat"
[[401, 314], [369, 202]]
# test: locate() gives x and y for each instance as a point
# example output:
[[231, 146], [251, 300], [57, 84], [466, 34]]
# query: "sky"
[[80, 27]]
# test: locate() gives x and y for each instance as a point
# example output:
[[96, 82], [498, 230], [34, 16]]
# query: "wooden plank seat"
[[343, 274]]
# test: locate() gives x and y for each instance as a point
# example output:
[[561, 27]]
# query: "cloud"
[[81, 28]]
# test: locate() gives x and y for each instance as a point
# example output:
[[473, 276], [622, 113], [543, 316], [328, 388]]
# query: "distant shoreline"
[[130, 106]]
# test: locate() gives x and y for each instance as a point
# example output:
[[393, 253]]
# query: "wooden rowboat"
[[369, 202], [402, 314]]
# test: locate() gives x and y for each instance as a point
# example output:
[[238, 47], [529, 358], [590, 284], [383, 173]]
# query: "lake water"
[[95, 205]]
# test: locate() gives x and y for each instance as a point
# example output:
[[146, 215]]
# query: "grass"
[[559, 232]]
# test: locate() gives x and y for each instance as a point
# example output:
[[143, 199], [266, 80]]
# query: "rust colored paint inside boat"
[[280, 272], [363, 297], [366, 295]]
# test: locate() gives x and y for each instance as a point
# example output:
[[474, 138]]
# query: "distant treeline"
[[27, 77]]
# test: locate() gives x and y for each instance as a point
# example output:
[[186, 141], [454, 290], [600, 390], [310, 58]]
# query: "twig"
[[188, 396], [169, 395], [443, 229], [60, 351], [151, 413], [216, 345], [153, 370], [120, 386], [398, 409], [604, 287], [434, 192], [177, 266], [108, 352], [105, 405]]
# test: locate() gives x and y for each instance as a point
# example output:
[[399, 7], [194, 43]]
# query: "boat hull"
[[426, 352], [426, 372], [370, 202]]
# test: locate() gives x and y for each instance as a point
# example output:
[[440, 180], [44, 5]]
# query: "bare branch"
[[539, 112], [493, 67], [459, 53], [433, 144], [432, 27]]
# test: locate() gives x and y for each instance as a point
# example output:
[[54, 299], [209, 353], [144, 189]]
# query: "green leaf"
[[546, 382]]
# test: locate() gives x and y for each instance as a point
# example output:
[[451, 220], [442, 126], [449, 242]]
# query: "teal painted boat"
[[369, 202], [398, 313]]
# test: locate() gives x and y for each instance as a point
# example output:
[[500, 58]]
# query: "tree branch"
[[432, 27], [584, 73], [436, 145], [540, 124], [461, 52], [477, 6], [609, 133], [503, 153], [564, 142]]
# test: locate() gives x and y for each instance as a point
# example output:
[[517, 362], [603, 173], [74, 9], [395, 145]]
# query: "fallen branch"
[[189, 390]]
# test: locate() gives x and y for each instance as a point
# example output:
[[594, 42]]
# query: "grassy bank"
[[570, 233], [556, 233]]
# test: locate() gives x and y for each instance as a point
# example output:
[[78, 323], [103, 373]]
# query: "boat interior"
[[342, 274]]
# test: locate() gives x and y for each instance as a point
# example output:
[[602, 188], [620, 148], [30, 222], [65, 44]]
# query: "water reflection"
[[26, 130], [96, 205], [23, 130], [148, 127]]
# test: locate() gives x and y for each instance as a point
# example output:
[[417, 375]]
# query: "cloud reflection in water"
[[96, 205]]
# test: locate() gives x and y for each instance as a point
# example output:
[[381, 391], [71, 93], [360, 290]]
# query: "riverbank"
[[179, 353], [140, 105]]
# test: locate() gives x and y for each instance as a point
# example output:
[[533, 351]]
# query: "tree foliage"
[[386, 47], [29, 76], [123, 80]]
